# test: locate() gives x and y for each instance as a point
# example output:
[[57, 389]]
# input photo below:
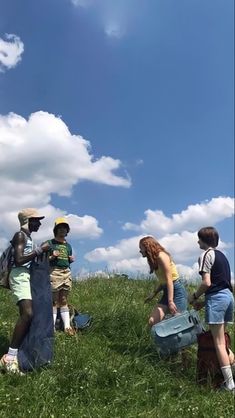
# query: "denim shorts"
[[180, 296], [219, 307]]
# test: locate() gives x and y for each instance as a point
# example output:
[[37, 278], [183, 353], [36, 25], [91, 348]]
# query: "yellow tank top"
[[161, 275]]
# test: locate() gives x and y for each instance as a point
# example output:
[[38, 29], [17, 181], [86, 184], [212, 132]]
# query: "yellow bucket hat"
[[59, 221]]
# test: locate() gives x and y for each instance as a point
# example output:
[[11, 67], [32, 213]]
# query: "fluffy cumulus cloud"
[[124, 257], [84, 226], [187, 272], [114, 17], [190, 219], [40, 156], [182, 245], [126, 248], [11, 50]]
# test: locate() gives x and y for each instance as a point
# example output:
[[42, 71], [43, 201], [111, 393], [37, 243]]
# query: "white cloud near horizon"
[[82, 227], [190, 219], [40, 156], [11, 51], [182, 245]]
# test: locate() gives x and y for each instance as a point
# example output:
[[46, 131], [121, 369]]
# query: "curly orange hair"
[[152, 249]]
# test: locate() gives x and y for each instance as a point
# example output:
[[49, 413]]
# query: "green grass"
[[110, 370]]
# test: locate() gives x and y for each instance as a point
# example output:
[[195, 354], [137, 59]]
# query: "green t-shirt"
[[65, 250]]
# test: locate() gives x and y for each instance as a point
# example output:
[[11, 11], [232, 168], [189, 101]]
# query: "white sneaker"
[[224, 387], [8, 366]]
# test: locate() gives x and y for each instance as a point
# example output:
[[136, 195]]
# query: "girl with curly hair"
[[174, 298]]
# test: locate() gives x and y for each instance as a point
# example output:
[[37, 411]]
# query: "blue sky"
[[119, 115]]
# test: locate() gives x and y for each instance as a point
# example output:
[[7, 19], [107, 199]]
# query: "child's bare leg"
[[157, 314], [217, 331], [19, 333], [231, 357], [23, 323], [55, 298], [232, 361], [64, 309]]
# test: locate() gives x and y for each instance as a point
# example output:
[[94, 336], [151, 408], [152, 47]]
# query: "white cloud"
[[183, 246], [82, 227], [11, 50], [42, 152], [189, 273], [126, 248], [115, 17], [39, 157], [113, 30], [81, 3], [131, 265], [192, 218], [139, 162]]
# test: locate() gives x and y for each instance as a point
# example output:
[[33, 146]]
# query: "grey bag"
[[6, 263], [176, 332]]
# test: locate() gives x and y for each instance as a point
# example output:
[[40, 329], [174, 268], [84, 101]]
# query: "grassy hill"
[[109, 370]]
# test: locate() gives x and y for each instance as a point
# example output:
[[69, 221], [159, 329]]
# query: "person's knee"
[[231, 356], [55, 298], [63, 300], [27, 314], [151, 321]]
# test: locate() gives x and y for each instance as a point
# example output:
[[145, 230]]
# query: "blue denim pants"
[[180, 296]]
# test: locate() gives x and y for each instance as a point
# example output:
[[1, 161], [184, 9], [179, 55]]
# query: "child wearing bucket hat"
[[60, 258]]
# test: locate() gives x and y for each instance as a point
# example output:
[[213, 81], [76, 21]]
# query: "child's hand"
[[56, 253], [172, 308], [71, 258], [45, 246]]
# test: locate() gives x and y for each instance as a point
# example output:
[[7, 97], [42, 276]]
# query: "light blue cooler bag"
[[176, 332]]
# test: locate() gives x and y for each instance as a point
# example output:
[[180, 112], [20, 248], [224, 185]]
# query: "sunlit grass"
[[109, 370]]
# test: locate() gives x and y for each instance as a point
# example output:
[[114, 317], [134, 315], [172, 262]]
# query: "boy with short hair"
[[219, 301]]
